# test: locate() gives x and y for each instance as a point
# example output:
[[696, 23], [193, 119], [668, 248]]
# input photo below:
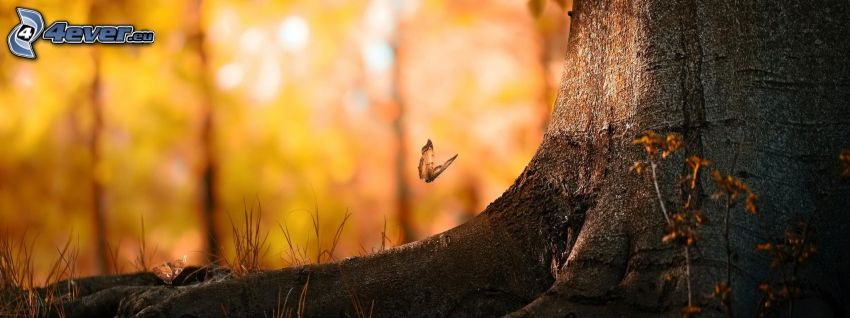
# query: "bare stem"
[[658, 191], [688, 274], [726, 217]]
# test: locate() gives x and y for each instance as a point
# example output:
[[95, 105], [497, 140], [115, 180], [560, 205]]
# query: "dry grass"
[[16, 276], [249, 242], [385, 241], [18, 297], [298, 255], [302, 300], [359, 309], [112, 254], [282, 310], [143, 260]]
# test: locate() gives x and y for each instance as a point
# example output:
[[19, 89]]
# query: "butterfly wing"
[[164, 273], [177, 266], [422, 172], [439, 169], [426, 162], [168, 271]]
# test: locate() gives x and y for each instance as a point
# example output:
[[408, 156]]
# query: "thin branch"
[[658, 192]]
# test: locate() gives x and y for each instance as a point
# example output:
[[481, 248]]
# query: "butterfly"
[[168, 271], [427, 170]]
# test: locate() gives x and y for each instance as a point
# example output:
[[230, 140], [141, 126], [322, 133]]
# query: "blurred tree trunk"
[[98, 203], [408, 232], [554, 43], [759, 88], [208, 198]]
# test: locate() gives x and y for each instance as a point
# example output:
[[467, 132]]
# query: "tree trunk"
[[759, 88], [209, 165], [95, 151]]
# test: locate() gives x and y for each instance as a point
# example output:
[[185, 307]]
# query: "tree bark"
[[760, 88]]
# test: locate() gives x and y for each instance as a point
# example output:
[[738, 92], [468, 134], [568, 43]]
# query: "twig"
[[728, 301], [658, 192], [688, 275]]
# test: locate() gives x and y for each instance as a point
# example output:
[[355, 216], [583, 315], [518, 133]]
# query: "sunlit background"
[[290, 105]]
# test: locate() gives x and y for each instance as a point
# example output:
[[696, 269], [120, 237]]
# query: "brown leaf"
[[844, 157], [700, 218], [650, 140], [722, 290], [672, 143], [691, 311], [765, 247], [637, 167], [672, 235], [750, 203], [696, 162]]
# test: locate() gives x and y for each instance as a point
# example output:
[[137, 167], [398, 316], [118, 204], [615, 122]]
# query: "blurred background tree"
[[291, 104]]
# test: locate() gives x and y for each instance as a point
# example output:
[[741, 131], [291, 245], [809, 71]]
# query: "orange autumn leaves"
[[653, 143], [733, 188], [727, 185], [682, 225]]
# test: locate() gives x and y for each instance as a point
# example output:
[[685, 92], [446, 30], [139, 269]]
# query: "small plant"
[[385, 241], [653, 145], [18, 296], [112, 255], [282, 310], [787, 256], [143, 260], [297, 255], [683, 224], [328, 254], [731, 189]]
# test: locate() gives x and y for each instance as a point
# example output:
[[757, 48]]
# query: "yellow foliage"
[[304, 112]]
